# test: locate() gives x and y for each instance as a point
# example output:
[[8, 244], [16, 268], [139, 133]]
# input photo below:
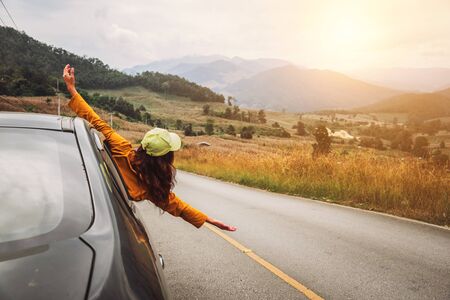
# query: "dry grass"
[[406, 187]]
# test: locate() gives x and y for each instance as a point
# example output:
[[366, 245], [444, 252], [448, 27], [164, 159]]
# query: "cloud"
[[124, 33]]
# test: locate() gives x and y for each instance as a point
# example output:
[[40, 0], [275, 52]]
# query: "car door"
[[135, 241]]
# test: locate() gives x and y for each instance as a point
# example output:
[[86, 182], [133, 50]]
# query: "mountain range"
[[298, 89], [271, 83], [213, 71], [278, 84]]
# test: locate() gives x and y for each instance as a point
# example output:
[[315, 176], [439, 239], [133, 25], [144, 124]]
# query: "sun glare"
[[346, 38], [346, 34]]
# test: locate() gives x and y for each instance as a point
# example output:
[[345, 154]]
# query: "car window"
[[44, 190], [116, 178]]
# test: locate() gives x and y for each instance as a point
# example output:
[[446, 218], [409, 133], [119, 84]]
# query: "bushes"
[[113, 104], [230, 130], [247, 132], [301, 130], [323, 142], [209, 127], [420, 147], [371, 142]]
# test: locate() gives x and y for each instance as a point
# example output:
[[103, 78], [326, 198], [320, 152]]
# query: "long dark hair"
[[157, 173]]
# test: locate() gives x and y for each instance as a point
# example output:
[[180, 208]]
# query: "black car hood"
[[59, 270]]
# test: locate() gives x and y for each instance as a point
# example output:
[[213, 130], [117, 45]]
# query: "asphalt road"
[[337, 252]]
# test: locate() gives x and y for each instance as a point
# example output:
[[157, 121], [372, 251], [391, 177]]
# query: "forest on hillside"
[[30, 68]]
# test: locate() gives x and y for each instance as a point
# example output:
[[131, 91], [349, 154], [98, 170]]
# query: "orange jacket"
[[123, 155]]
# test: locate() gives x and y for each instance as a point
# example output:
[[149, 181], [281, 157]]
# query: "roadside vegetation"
[[365, 178]]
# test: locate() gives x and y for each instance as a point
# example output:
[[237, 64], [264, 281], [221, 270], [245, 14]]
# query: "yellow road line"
[[288, 279]]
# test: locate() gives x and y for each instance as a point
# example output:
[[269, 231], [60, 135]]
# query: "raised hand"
[[69, 79], [220, 225]]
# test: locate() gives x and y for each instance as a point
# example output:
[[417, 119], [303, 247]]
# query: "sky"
[[338, 35]]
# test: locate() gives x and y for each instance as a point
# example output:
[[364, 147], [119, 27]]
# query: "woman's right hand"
[[220, 224], [69, 79]]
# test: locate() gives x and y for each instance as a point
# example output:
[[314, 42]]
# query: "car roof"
[[37, 121]]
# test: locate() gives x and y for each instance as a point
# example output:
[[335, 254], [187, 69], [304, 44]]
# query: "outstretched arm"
[[118, 145], [177, 207]]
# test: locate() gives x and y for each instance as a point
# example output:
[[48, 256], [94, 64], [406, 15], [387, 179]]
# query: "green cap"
[[158, 142]]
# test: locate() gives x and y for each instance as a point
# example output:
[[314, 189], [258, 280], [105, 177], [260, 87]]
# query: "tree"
[[178, 124], [229, 99], [142, 108], [251, 117], [165, 86], [137, 115], [188, 130], [243, 116], [420, 147], [262, 116], [247, 132], [227, 113], [147, 118], [301, 128], [206, 109], [235, 111], [209, 127], [159, 123], [323, 141], [402, 141], [230, 130]]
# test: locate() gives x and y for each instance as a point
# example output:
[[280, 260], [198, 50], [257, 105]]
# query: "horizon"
[[341, 37]]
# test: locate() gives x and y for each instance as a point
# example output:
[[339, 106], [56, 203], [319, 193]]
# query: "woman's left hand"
[[69, 79], [220, 224]]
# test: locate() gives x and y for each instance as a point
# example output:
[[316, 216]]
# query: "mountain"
[[213, 71], [445, 92], [425, 106], [30, 68], [407, 79], [166, 65], [298, 89]]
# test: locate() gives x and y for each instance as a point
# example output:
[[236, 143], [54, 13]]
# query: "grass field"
[[171, 108]]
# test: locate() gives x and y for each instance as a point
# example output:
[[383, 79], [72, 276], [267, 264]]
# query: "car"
[[67, 227]]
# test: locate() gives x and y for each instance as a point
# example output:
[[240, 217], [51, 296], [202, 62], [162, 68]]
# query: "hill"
[[445, 92], [301, 90], [407, 79], [30, 68], [424, 106]]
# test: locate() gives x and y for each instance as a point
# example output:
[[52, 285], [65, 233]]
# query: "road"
[[335, 251]]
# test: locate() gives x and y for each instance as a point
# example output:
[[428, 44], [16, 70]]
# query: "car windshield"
[[43, 187]]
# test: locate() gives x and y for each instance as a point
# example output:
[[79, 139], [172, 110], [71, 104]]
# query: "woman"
[[147, 171]]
